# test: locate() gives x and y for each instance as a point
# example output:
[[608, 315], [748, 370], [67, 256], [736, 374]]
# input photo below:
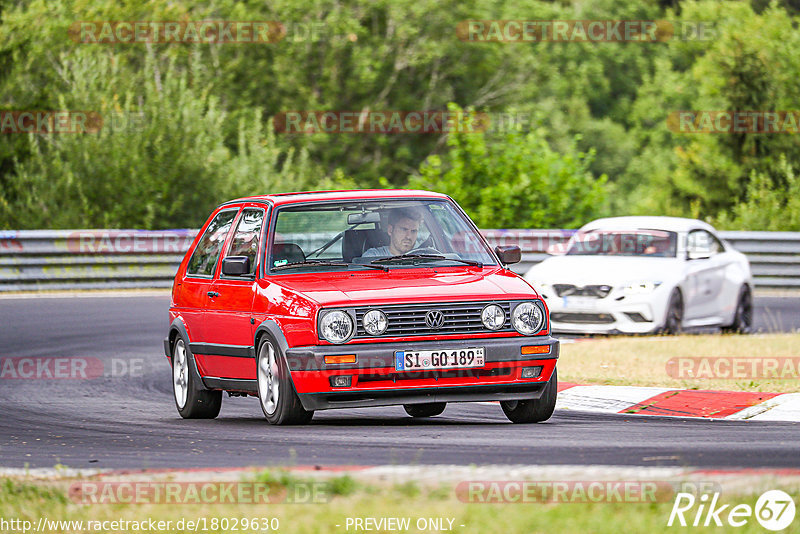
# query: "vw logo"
[[434, 319]]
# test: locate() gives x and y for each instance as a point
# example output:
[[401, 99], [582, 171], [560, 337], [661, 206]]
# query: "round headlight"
[[527, 318], [375, 322], [493, 317], [336, 326]]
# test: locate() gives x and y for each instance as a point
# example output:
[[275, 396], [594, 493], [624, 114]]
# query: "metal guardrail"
[[109, 259]]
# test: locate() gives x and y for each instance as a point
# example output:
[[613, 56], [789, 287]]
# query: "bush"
[[515, 180]]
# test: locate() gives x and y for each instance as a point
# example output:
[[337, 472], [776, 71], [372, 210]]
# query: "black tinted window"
[[205, 256]]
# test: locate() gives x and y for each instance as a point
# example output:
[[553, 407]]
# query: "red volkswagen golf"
[[342, 299]]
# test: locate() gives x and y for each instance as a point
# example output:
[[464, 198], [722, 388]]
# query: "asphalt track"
[[130, 421]]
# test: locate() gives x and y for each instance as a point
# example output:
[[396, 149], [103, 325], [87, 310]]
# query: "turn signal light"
[[536, 349], [341, 358]]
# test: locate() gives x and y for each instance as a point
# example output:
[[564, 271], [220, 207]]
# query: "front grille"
[[582, 318], [569, 290], [409, 319]]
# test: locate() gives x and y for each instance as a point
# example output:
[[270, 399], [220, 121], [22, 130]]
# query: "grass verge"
[[27, 501], [645, 361]]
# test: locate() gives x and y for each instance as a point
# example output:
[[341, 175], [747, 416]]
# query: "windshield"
[[374, 234], [650, 243]]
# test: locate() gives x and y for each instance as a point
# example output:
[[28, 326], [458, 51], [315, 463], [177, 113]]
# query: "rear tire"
[[428, 409], [276, 393], [534, 410], [743, 318], [192, 399]]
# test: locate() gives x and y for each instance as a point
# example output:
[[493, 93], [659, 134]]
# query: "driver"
[[402, 229]]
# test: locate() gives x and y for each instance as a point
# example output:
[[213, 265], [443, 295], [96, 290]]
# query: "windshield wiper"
[[433, 257], [322, 263]]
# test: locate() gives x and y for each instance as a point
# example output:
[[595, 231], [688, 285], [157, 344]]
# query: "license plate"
[[580, 302], [438, 359]]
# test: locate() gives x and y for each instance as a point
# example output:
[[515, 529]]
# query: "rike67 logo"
[[774, 510]]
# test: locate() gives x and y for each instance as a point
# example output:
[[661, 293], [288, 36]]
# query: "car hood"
[[603, 270], [406, 286]]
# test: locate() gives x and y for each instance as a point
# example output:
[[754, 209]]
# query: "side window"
[[716, 244], [246, 239], [702, 243], [205, 256]]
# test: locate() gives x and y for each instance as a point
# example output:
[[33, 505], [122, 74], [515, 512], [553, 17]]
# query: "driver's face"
[[403, 236]]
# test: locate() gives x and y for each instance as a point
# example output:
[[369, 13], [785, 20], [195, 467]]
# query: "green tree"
[[515, 180]]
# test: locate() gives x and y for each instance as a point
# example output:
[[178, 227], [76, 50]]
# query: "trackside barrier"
[[111, 259]]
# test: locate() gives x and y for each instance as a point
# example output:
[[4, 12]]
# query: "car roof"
[[354, 194], [671, 224]]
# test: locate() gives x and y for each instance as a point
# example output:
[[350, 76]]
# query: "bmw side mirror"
[[236, 266], [508, 255]]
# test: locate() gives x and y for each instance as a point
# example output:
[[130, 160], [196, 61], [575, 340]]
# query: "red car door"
[[191, 291], [228, 327]]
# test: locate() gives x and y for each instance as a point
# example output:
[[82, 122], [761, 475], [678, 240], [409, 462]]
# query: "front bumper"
[[606, 316], [376, 382]]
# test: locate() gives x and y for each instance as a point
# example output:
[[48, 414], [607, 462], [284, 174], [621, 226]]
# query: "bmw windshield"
[[374, 234], [652, 243]]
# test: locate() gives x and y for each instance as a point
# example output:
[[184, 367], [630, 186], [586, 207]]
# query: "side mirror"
[[236, 266], [508, 255]]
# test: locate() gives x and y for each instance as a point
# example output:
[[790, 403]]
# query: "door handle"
[[212, 294]]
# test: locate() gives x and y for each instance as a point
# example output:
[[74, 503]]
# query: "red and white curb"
[[631, 400]]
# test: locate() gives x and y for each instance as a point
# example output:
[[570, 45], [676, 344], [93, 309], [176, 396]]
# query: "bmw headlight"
[[527, 318], [375, 322], [493, 317], [336, 326], [640, 288]]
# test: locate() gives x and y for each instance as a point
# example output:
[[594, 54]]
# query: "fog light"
[[340, 381], [531, 372]]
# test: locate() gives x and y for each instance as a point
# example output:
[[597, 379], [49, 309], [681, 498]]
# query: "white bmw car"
[[645, 275]]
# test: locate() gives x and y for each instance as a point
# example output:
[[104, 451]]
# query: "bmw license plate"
[[438, 359], [584, 303]]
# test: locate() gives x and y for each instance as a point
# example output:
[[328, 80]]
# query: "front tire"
[[276, 393], [673, 324], [429, 409], [743, 318], [192, 399], [534, 410]]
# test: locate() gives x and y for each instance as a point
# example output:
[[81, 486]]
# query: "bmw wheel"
[[673, 324], [743, 318]]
